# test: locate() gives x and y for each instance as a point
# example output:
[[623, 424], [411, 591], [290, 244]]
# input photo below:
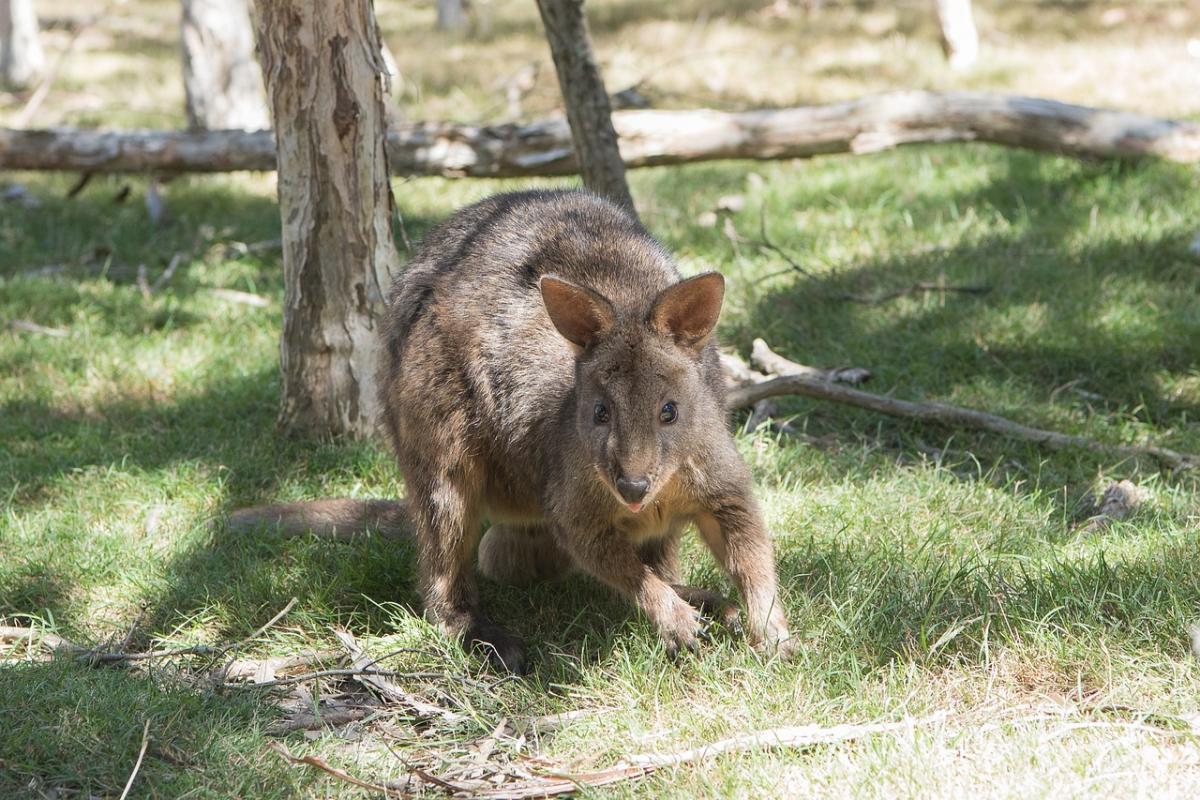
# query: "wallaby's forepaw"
[[502, 649], [680, 628], [712, 605]]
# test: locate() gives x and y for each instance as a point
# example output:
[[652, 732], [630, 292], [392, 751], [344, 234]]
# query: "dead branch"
[[50, 642], [25, 326], [308, 721], [764, 242], [796, 737], [944, 414], [650, 138], [765, 358], [357, 674], [385, 688], [244, 298], [320, 764], [266, 669], [920, 287]]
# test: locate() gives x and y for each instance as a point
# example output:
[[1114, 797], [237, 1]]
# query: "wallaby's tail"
[[334, 519]]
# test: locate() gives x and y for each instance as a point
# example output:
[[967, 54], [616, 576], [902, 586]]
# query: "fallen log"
[[648, 138]]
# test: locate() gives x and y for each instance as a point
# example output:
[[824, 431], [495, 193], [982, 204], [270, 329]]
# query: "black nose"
[[633, 489]]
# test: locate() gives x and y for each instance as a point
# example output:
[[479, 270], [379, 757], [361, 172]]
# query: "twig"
[[84, 179], [387, 689], [265, 669], [129, 634], [946, 415], [918, 288], [320, 764], [765, 243], [25, 326], [436, 781], [168, 273], [307, 721], [51, 642], [138, 764], [798, 736], [97, 657], [329, 673], [245, 298], [765, 358]]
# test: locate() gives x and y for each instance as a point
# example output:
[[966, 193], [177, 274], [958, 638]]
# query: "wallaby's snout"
[[633, 490]]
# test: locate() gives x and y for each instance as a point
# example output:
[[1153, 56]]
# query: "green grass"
[[953, 585], [919, 585]]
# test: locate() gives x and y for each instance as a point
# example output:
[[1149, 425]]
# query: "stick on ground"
[[944, 414], [138, 764], [361, 662]]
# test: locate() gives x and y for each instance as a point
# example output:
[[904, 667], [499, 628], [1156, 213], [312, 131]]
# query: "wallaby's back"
[[466, 327]]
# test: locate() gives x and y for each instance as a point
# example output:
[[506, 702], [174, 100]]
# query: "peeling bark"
[[324, 74]]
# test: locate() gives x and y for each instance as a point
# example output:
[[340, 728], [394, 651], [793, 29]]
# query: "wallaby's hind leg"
[[445, 511], [521, 554], [662, 557]]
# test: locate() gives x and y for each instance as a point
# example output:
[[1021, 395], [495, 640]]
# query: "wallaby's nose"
[[633, 489]]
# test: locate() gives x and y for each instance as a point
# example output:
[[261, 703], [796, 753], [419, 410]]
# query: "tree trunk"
[[21, 58], [960, 40], [588, 111], [324, 77], [451, 15], [222, 82], [650, 138]]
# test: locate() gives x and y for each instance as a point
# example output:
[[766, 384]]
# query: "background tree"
[[324, 73], [588, 110], [451, 15], [222, 82], [21, 58], [960, 39]]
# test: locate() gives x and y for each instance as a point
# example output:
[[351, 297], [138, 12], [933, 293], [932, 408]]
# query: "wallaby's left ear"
[[688, 311]]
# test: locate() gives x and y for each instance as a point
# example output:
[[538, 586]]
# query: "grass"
[[920, 585]]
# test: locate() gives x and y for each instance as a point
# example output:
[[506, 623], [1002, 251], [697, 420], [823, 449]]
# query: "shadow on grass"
[[1049, 315], [79, 729]]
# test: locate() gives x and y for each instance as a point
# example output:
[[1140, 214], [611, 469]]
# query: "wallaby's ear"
[[688, 311], [580, 314]]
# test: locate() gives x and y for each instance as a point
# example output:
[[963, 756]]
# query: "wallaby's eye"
[[600, 414], [668, 414]]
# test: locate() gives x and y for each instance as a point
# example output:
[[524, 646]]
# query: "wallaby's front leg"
[[662, 557], [735, 533], [613, 559]]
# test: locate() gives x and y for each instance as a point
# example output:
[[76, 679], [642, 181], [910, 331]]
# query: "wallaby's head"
[[642, 404]]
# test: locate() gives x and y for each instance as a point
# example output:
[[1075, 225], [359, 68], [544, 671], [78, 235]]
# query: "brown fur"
[[518, 318]]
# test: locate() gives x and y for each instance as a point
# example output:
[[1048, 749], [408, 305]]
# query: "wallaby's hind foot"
[[503, 649], [473, 630], [519, 555]]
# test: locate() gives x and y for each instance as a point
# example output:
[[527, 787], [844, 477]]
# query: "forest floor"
[[937, 577]]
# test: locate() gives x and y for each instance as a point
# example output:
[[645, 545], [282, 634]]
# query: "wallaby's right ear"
[[578, 313]]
